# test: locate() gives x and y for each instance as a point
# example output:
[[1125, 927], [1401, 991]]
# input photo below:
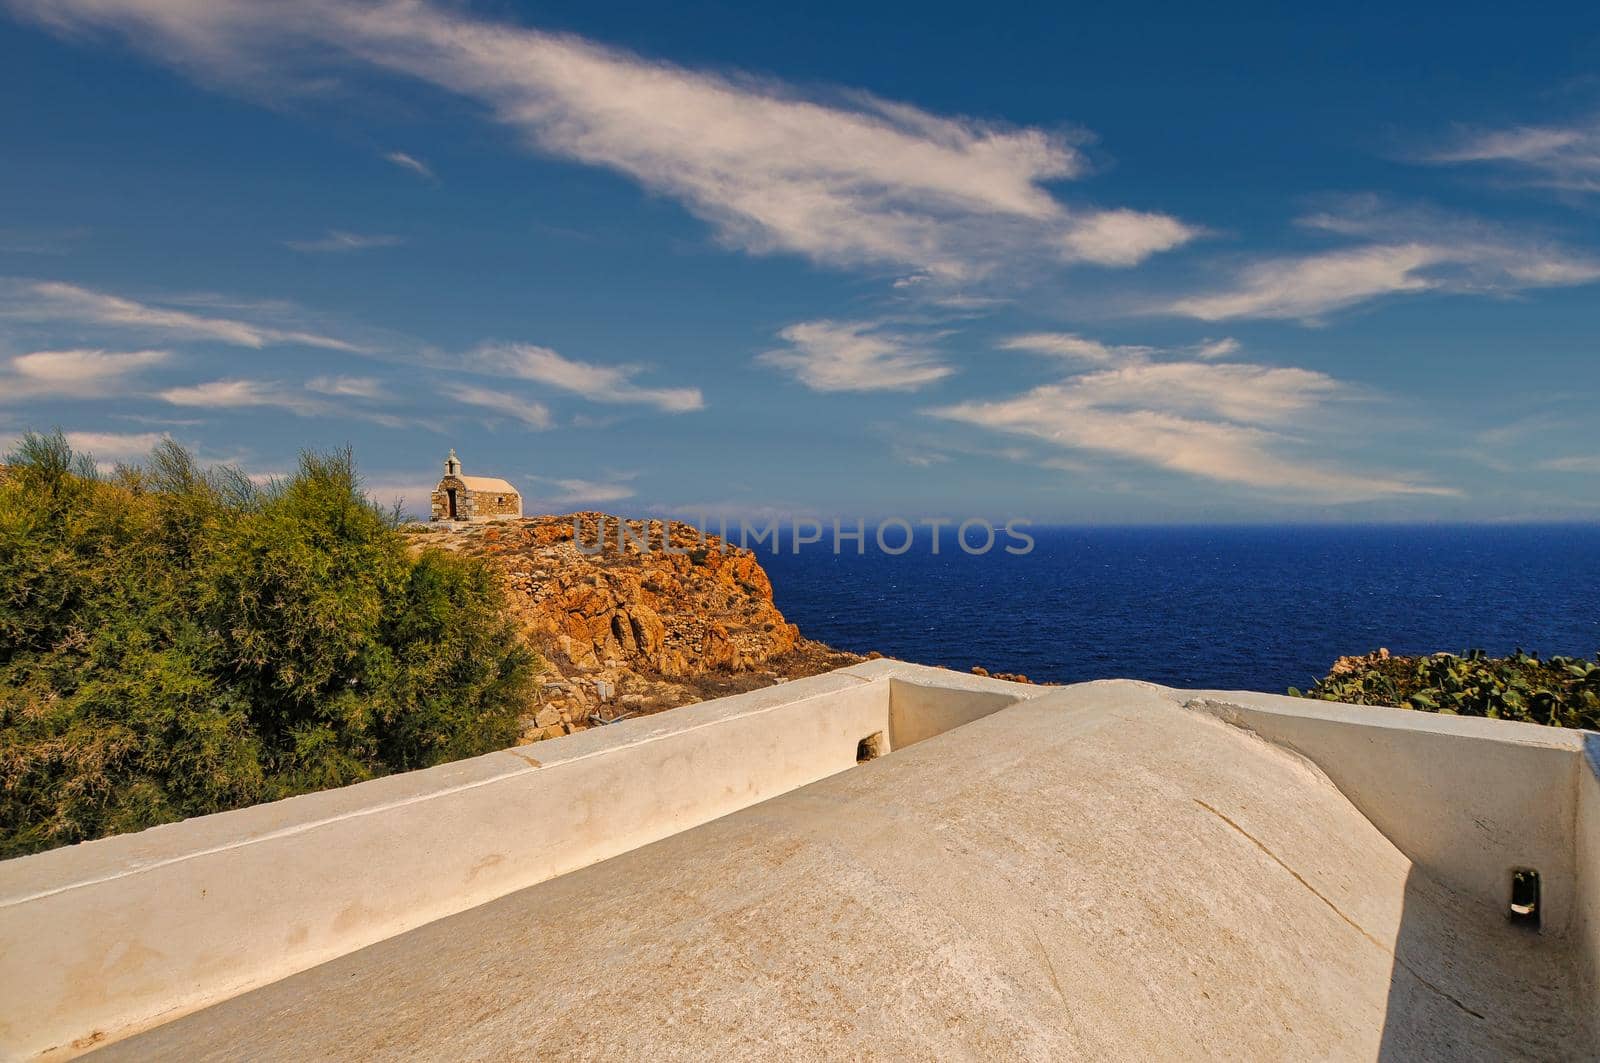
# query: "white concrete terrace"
[[1111, 869]]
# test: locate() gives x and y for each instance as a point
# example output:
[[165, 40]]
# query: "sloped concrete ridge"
[[1498, 794], [1469, 801], [883, 862]]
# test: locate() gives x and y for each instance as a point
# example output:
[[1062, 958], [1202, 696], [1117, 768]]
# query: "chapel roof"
[[488, 483]]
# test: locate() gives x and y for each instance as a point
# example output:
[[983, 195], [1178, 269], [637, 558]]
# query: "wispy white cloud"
[[73, 374], [1555, 156], [115, 446], [1580, 463], [1219, 348], [412, 163], [244, 393], [917, 457], [1227, 422], [110, 449], [598, 383], [337, 241], [856, 356], [1125, 237], [1405, 252], [1071, 347], [848, 180], [1313, 285], [1075, 348], [575, 491], [367, 388], [1236, 391], [164, 422], [238, 393], [914, 447], [58, 301], [532, 414]]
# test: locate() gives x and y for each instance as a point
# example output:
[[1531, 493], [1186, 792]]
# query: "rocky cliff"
[[628, 628]]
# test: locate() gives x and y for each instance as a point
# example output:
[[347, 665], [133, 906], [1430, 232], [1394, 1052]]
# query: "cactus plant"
[[1556, 691]]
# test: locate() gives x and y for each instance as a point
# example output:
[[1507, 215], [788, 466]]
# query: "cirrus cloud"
[[115, 445], [239, 393], [338, 241], [1227, 422], [845, 179], [572, 491], [855, 356], [598, 383], [1408, 252], [80, 373], [1071, 347], [367, 388], [412, 163], [56, 301], [244, 393], [535, 415], [1565, 157]]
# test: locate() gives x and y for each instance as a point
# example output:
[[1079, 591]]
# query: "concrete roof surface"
[[1095, 873]]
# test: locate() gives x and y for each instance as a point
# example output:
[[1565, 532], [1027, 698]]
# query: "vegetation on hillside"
[[176, 641], [1556, 691]]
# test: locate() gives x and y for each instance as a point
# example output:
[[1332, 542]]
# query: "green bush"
[[176, 641], [1556, 691]]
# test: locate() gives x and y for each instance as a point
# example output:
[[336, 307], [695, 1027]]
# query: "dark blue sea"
[[1252, 608]]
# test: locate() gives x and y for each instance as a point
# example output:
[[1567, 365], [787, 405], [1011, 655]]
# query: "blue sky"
[[1113, 263]]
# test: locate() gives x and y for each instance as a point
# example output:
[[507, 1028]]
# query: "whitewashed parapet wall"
[[106, 938]]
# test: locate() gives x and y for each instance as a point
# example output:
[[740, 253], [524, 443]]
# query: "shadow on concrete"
[[1469, 984]]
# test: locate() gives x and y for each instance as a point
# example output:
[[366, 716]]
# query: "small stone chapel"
[[473, 498]]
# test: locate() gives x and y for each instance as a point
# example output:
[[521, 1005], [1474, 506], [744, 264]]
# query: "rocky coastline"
[[628, 628]]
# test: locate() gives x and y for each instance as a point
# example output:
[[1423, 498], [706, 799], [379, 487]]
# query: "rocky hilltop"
[[627, 629]]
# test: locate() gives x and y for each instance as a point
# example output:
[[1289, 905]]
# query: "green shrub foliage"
[[1556, 691], [176, 641]]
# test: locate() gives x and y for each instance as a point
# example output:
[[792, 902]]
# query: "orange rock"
[[649, 632], [674, 615]]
